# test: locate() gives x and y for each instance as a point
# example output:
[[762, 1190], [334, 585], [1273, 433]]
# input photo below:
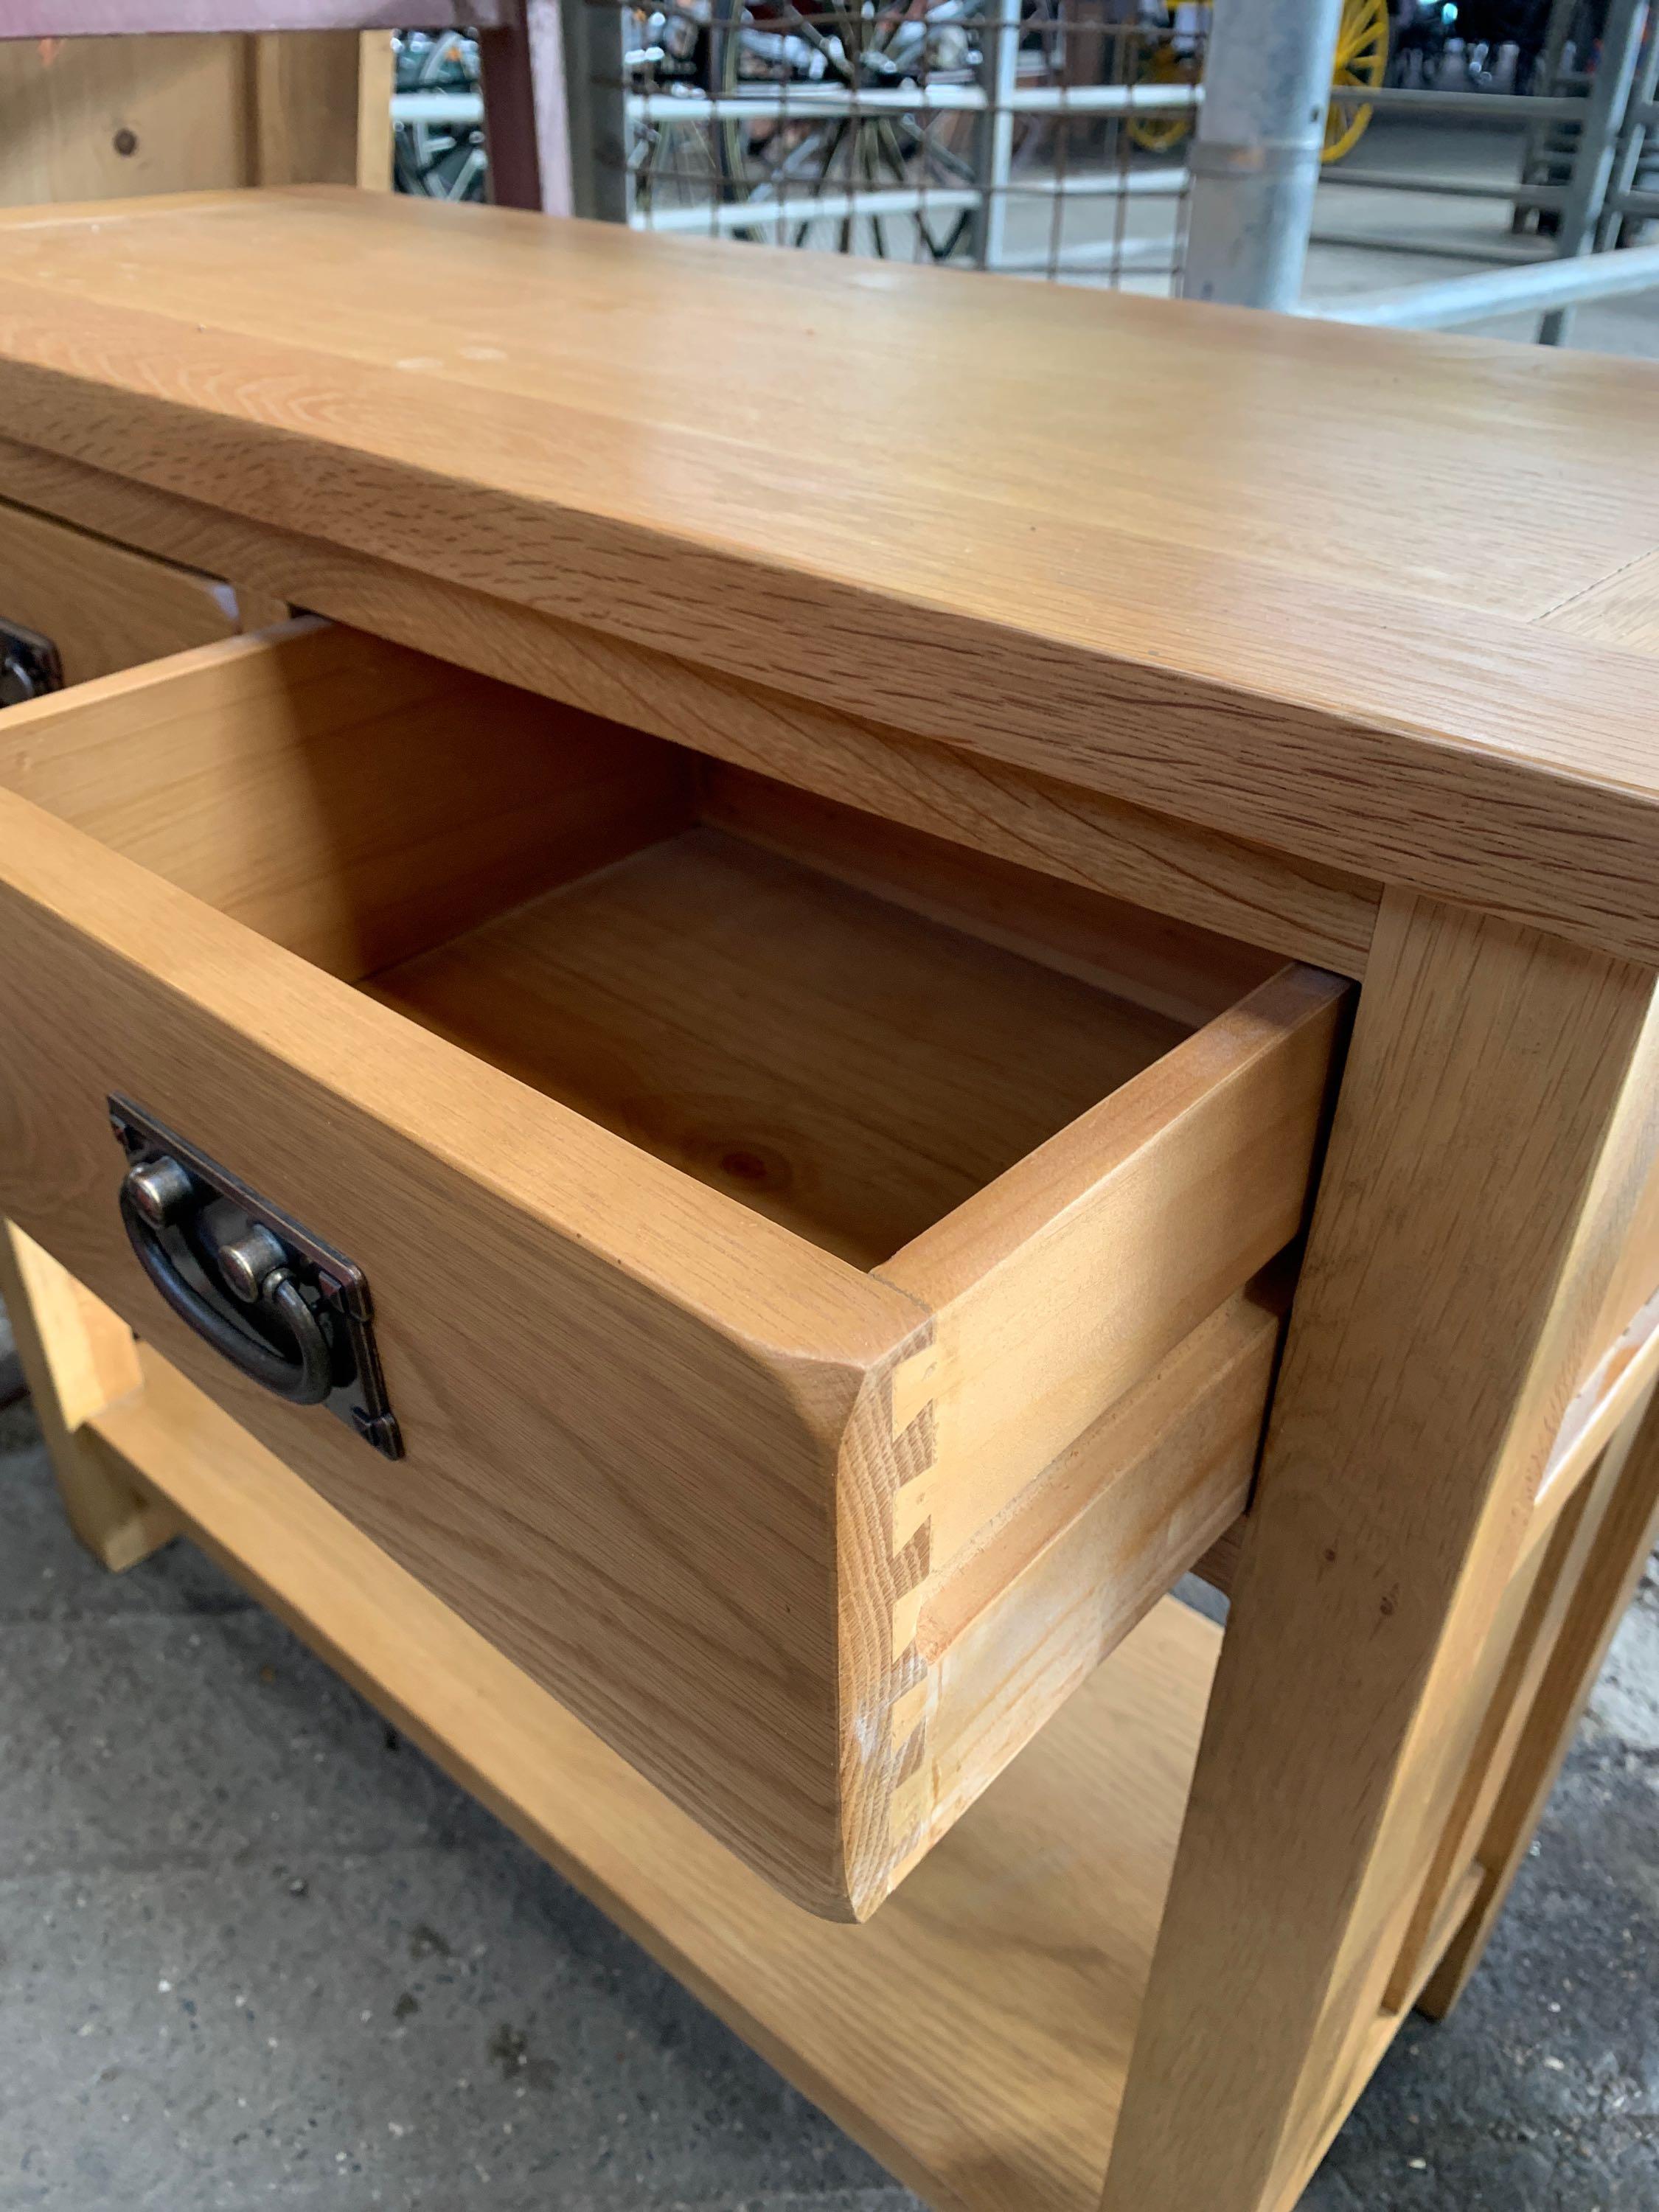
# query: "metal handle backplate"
[[292, 1313]]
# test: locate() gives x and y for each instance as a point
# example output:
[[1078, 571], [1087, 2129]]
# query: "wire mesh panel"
[[1040, 136], [1044, 136]]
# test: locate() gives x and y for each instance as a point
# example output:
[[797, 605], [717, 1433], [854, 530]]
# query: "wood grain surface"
[[672, 1445], [79, 1358], [1190, 975], [1622, 609], [1493, 1132], [1297, 908], [1061, 1284], [86, 118], [974, 2036], [1622, 1523], [1011, 1627], [347, 800], [101, 605], [1176, 582], [824, 1056]]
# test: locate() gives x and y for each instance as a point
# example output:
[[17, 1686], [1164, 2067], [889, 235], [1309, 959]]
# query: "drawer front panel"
[[103, 606]]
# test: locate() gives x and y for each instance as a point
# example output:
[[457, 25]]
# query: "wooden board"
[[1625, 1514], [1297, 908], [102, 605], [1057, 1285], [1190, 975], [103, 19], [1623, 609], [82, 119], [1010, 1628], [120, 117], [1623, 612], [974, 2035], [1176, 584], [321, 108], [78, 1358]]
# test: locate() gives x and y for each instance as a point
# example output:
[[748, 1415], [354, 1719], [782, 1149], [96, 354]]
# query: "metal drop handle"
[[152, 1192]]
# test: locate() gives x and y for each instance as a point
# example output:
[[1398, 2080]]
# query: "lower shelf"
[[974, 2035]]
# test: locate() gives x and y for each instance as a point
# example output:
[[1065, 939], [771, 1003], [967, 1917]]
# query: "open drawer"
[[816, 1273]]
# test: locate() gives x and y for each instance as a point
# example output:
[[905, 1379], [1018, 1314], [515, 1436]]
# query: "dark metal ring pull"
[[267, 1293], [304, 1380]]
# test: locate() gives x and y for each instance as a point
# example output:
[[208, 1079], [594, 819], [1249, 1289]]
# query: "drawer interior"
[[848, 1027], [850, 1067]]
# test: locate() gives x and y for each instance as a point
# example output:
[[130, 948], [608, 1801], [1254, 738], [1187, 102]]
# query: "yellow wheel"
[[1362, 57], [1161, 132]]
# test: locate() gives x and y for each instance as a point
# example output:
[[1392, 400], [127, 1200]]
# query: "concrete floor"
[[254, 1950]]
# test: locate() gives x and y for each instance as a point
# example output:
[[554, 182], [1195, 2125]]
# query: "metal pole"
[[1436, 107], [526, 111], [1256, 159], [594, 46], [802, 102], [1499, 292], [993, 134], [1535, 146], [1598, 140], [1520, 253], [1627, 159], [1466, 188]]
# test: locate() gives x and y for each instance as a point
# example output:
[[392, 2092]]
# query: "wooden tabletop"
[[1380, 599]]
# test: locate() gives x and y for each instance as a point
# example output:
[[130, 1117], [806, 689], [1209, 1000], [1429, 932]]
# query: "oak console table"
[[735, 989]]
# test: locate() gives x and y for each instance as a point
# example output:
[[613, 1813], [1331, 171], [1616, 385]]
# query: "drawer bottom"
[[851, 1069]]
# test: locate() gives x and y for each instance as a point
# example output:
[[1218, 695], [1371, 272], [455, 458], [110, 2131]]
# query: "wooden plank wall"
[[106, 119]]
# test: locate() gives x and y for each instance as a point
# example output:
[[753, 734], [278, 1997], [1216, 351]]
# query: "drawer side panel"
[[1068, 1279]]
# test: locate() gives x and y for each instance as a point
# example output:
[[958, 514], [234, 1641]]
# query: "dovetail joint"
[[915, 1685]]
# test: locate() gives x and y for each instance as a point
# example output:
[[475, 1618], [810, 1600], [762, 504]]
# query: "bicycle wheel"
[[439, 161], [1163, 64], [770, 49], [1362, 58]]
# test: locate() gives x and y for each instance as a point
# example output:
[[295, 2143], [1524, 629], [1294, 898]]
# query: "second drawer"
[[817, 1272]]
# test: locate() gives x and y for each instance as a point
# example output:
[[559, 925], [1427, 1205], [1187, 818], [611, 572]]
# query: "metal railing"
[[1041, 137], [1551, 286], [1598, 205]]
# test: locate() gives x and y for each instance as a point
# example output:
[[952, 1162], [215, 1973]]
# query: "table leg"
[[1491, 1135], [78, 1357], [1623, 1542]]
